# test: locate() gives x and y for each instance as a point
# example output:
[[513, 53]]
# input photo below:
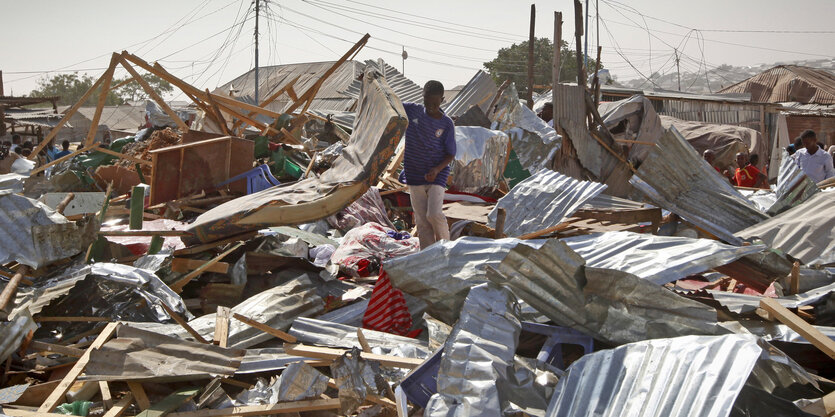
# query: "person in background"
[[710, 157], [66, 149], [15, 139], [547, 113], [747, 175], [791, 149], [105, 141], [815, 163], [50, 151], [430, 148]]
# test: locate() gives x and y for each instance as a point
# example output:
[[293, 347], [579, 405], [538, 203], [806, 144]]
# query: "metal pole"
[[257, 10], [678, 73], [586, 41], [531, 40]]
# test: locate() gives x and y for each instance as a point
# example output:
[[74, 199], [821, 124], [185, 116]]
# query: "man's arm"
[[450, 148]]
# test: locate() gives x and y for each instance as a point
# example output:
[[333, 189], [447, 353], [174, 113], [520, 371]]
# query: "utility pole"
[[257, 10], [404, 55], [531, 40], [586, 41], [678, 73], [555, 71], [578, 34], [2, 113]]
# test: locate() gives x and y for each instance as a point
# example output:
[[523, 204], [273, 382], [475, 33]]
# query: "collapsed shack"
[[261, 259]]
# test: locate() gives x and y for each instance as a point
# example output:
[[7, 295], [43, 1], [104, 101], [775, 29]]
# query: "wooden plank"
[[11, 287], [221, 335], [63, 158], [57, 396], [363, 341], [106, 397], [328, 353], [174, 233], [822, 407], [794, 278], [266, 329], [268, 409], [562, 226], [182, 265], [105, 89], [206, 246], [49, 347], [153, 94], [123, 156], [170, 403], [183, 323], [139, 394], [809, 332], [74, 319], [120, 407], [178, 286]]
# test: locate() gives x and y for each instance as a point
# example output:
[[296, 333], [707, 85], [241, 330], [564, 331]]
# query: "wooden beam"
[[182, 322], [123, 156], [139, 394], [63, 158], [809, 332], [268, 409], [221, 335], [71, 319], [169, 233], [178, 286], [331, 354], [57, 396], [106, 397], [206, 246], [218, 116], [120, 407], [794, 278], [153, 94], [266, 329], [49, 347], [11, 287], [363, 341], [182, 265], [105, 90]]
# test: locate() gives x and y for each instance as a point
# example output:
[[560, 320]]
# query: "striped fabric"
[[387, 310], [428, 142]]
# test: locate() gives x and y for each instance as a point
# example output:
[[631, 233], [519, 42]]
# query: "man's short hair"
[[16, 138], [808, 133], [65, 144], [433, 87], [17, 149], [27, 145], [753, 159], [548, 104]]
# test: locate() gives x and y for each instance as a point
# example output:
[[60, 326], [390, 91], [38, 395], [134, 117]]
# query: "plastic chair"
[[257, 179], [422, 382], [551, 352]]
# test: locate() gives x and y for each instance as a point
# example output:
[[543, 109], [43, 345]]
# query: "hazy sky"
[[209, 42]]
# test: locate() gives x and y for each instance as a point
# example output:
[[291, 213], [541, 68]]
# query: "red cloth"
[[746, 177], [387, 310]]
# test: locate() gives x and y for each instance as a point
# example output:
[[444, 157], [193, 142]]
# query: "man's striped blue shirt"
[[428, 142]]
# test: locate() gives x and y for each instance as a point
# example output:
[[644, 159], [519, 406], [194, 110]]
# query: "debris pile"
[[266, 262]]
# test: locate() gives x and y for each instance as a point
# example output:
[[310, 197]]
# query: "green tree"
[[511, 63], [132, 91], [70, 87]]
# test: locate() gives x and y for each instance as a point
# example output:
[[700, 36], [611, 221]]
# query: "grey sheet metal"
[[542, 200], [793, 186], [772, 332], [33, 234], [692, 376], [642, 122], [379, 126], [477, 92], [406, 89], [480, 159], [265, 360], [298, 382], [276, 307], [325, 333], [442, 274], [477, 355], [806, 231], [13, 333], [610, 305], [142, 355], [356, 378], [534, 142], [659, 259], [746, 303], [676, 178], [38, 296]]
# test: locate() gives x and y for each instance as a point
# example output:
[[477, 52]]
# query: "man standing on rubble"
[[815, 163], [430, 148]]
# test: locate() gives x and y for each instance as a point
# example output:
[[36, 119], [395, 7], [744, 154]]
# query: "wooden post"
[[221, 335], [105, 90], [578, 34], [596, 82], [531, 41], [64, 203], [795, 278], [501, 215], [555, 71], [11, 287]]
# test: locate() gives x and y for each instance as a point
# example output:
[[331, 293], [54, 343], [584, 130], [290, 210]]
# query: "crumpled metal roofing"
[[477, 354], [480, 159], [746, 303], [771, 331], [793, 186], [611, 305], [442, 274], [33, 234], [676, 178], [542, 200], [325, 333], [298, 382], [405, 89], [658, 259], [806, 231], [478, 91], [13, 333], [692, 376], [788, 83], [534, 142], [642, 121]]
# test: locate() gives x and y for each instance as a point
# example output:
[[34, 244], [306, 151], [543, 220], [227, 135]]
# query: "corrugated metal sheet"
[[793, 186], [789, 83], [35, 298], [326, 333], [479, 91], [676, 178], [26, 117], [405, 89], [693, 376], [745, 303], [658, 259], [640, 121], [477, 354], [772, 331], [480, 160], [806, 231], [13, 333], [442, 274], [542, 200], [610, 202], [33, 234], [613, 306]]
